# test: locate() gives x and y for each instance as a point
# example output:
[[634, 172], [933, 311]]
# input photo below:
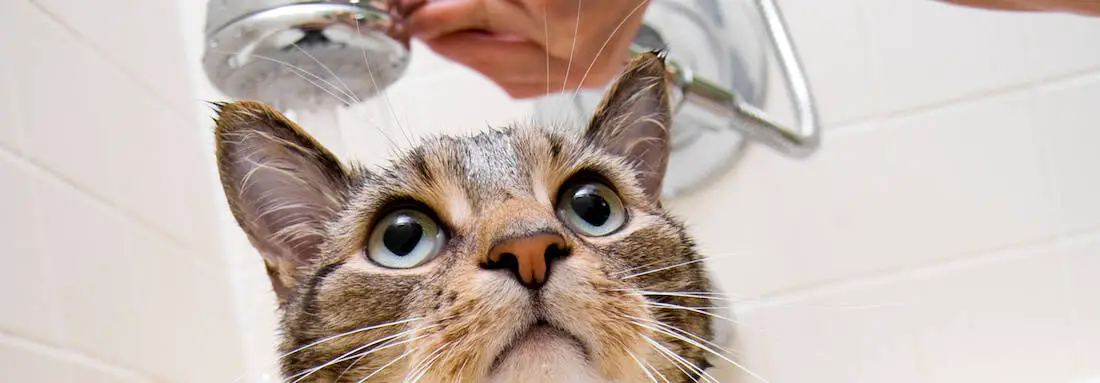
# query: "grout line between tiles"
[[1080, 77], [21, 160], [859, 126], [1077, 236], [72, 356], [115, 64], [873, 278]]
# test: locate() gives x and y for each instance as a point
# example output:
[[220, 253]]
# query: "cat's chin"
[[544, 354]]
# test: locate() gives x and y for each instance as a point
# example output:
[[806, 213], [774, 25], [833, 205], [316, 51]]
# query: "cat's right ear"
[[282, 186], [633, 120]]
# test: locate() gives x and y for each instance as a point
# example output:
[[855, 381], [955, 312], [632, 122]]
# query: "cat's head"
[[519, 255]]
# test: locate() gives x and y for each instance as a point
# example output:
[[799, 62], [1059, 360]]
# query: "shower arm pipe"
[[800, 141]]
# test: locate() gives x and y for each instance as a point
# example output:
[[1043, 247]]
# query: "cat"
[[524, 254]]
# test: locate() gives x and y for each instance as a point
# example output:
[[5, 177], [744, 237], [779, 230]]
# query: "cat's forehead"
[[463, 176], [490, 162], [490, 165]]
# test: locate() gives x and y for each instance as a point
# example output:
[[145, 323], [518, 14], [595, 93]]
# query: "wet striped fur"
[[346, 319]]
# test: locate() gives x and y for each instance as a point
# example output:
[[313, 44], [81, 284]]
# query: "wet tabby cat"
[[517, 255]]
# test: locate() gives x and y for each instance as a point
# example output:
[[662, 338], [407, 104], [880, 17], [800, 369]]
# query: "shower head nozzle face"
[[307, 56]]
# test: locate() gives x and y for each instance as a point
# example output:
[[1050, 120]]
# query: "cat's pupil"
[[403, 235], [590, 206]]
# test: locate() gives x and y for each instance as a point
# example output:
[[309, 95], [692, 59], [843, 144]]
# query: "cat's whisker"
[[657, 326], [384, 366], [416, 367], [677, 360], [678, 367], [685, 333], [331, 338], [422, 368], [364, 355], [713, 296], [659, 269], [694, 295], [462, 369], [546, 38], [343, 334], [355, 353], [680, 362], [356, 361], [659, 305], [692, 309], [629, 270], [739, 325], [572, 47], [658, 372], [328, 87], [642, 365], [302, 72], [347, 89], [385, 96], [596, 58], [758, 330]]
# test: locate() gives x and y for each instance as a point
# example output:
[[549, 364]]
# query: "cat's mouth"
[[541, 342]]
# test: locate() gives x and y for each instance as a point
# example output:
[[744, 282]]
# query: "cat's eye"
[[592, 209], [405, 238]]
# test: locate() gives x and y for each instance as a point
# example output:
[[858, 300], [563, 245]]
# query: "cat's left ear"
[[282, 186], [634, 118]]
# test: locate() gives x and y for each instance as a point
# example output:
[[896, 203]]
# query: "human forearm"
[[1090, 7]]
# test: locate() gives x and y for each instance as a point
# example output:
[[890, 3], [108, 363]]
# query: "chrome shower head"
[[302, 54]]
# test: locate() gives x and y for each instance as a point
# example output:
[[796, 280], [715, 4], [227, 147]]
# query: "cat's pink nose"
[[528, 257]]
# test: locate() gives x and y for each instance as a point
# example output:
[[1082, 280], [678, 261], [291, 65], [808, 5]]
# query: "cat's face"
[[519, 255]]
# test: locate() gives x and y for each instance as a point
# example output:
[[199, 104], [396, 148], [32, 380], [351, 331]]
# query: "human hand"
[[531, 47]]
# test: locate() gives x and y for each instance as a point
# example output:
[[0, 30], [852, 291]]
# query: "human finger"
[[438, 18], [515, 64]]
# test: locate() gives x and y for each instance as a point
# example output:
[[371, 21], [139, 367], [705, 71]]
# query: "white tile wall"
[[1067, 119], [24, 361], [892, 196], [8, 117], [1082, 267], [974, 320], [862, 332], [927, 53], [1018, 307], [31, 286], [947, 229], [840, 72], [946, 232], [64, 121], [85, 243], [175, 293], [144, 48], [113, 270]]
